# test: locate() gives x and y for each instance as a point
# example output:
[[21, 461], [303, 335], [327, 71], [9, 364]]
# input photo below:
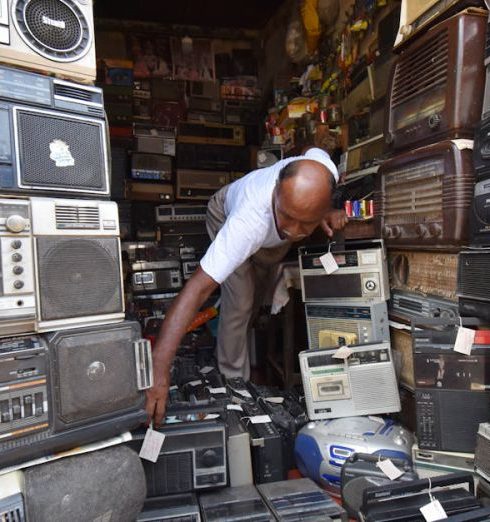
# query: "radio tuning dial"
[[422, 231], [209, 458], [17, 270], [396, 231], [16, 244], [435, 229], [18, 284], [370, 285], [16, 223], [16, 258], [434, 120], [405, 30]]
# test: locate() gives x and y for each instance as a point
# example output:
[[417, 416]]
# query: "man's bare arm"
[[183, 310]]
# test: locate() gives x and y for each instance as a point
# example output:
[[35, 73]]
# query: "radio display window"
[[324, 286]]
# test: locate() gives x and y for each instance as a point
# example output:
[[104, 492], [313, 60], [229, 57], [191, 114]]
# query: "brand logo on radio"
[[60, 154], [60, 24]]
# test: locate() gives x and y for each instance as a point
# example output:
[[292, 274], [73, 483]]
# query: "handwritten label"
[[152, 444]]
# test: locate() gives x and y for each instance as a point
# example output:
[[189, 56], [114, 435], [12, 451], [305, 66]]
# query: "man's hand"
[[156, 396], [335, 220]]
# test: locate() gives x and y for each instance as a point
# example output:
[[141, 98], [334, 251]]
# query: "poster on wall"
[[151, 56], [193, 60]]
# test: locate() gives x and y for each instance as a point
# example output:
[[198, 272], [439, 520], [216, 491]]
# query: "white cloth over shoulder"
[[250, 223]]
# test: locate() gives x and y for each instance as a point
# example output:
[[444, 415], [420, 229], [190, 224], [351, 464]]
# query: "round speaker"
[[55, 29]]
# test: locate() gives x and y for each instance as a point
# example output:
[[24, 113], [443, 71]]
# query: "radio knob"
[[16, 258], [422, 231], [17, 270], [396, 231], [386, 232], [16, 244], [16, 223], [209, 458], [370, 285], [18, 284], [434, 120], [435, 229]]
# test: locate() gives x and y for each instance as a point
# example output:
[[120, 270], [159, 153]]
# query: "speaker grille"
[[56, 29], [61, 152], [171, 473], [95, 372], [78, 277]]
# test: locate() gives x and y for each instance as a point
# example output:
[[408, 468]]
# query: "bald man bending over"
[[252, 223]]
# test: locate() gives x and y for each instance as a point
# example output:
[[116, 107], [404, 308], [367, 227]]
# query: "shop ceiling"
[[245, 14]]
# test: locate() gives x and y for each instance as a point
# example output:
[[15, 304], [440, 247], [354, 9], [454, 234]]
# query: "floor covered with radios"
[[369, 390]]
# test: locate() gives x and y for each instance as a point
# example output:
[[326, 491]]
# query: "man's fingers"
[[159, 411], [326, 229]]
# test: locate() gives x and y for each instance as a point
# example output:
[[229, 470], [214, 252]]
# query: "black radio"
[[473, 287], [481, 149], [452, 390], [213, 157], [70, 154], [70, 388], [480, 216]]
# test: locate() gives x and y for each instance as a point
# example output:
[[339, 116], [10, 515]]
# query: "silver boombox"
[[362, 276], [363, 384]]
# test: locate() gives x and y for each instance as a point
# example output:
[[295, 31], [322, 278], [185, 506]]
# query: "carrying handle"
[[369, 457]]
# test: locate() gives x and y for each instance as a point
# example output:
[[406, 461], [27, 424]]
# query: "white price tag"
[[389, 469], [464, 340], [329, 263], [342, 353], [433, 511], [211, 416], [235, 407], [275, 400], [217, 390], [174, 387], [206, 369], [152, 444], [260, 419], [376, 419], [195, 383], [243, 393]]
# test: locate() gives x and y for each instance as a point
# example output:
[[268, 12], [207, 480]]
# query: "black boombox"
[[70, 388], [473, 286], [54, 136]]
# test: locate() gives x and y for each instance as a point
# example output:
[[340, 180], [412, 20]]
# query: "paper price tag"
[[235, 407], [342, 353], [217, 390], [206, 369], [329, 263], [195, 383], [275, 400], [174, 387], [433, 511], [152, 444], [389, 469], [464, 340], [211, 416], [243, 393], [260, 419]]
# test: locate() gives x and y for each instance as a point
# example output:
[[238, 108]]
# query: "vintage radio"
[[211, 133], [180, 212], [480, 216], [419, 15], [363, 384], [213, 157], [204, 104], [401, 501], [423, 197], [204, 116], [72, 119], [401, 348], [322, 448], [241, 112], [437, 83], [424, 272], [452, 389], [367, 124], [172, 508], [411, 305], [119, 113], [71, 388], [241, 503], [360, 472], [156, 276], [118, 94], [481, 146], [154, 140], [148, 191], [430, 463], [154, 167], [50, 37], [362, 276], [482, 451], [169, 90], [301, 499], [473, 286], [343, 324], [167, 113], [366, 154], [60, 263], [266, 445], [238, 447], [199, 184], [12, 497], [192, 458]]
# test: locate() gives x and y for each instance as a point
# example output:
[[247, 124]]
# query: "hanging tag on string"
[[433, 510], [464, 340], [152, 444], [344, 352], [389, 469]]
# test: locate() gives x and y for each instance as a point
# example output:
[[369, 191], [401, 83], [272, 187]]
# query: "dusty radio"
[[154, 140], [429, 273], [156, 276], [154, 167], [60, 262], [171, 508], [200, 184], [423, 197], [410, 305], [480, 216], [365, 154], [330, 325], [452, 389], [438, 82], [211, 133], [70, 388], [180, 212], [241, 112], [362, 276], [401, 348], [213, 157], [430, 463], [363, 384], [149, 191], [473, 285], [72, 119]]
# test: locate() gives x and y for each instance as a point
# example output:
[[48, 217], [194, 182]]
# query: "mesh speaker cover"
[[94, 372], [171, 473], [78, 277], [39, 134], [56, 29]]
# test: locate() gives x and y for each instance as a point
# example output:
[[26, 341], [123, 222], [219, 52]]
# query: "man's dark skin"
[[301, 203]]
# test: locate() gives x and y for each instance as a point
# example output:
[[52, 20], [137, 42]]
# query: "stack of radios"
[[72, 370], [427, 208]]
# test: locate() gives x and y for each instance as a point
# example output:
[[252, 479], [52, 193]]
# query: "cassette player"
[[362, 276], [362, 384]]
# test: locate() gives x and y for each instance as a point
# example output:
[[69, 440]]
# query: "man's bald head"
[[302, 198]]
